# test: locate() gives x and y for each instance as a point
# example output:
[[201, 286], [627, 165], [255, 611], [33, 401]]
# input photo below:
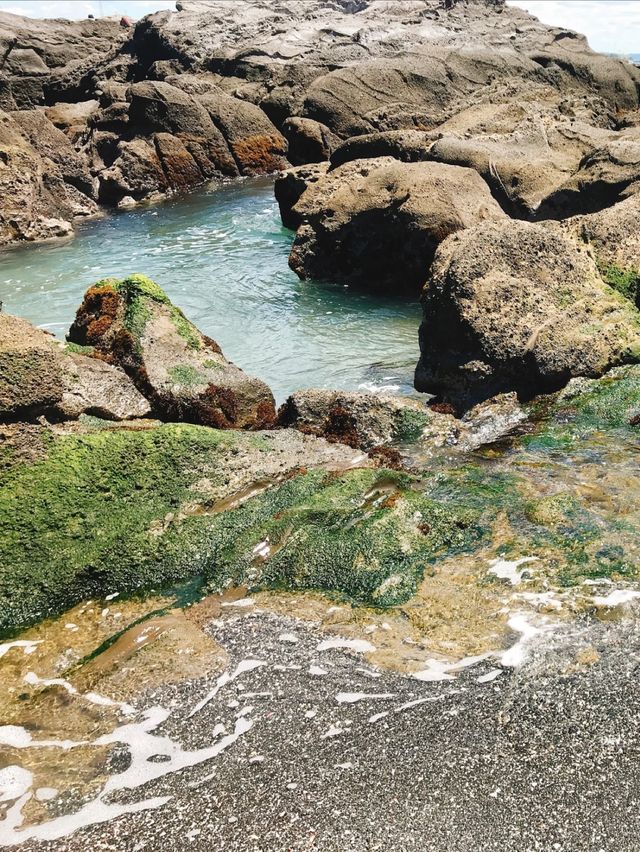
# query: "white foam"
[[354, 697], [334, 731], [239, 602], [143, 745], [508, 570], [516, 655], [291, 638], [224, 679], [489, 676], [28, 646], [360, 645], [14, 783], [377, 716], [45, 794], [616, 598], [18, 737], [317, 671]]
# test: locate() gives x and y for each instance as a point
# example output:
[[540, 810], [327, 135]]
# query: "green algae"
[[78, 349], [410, 425], [119, 510], [186, 375], [624, 281]]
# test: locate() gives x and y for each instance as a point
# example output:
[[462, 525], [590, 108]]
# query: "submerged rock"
[[378, 222], [183, 373], [519, 307]]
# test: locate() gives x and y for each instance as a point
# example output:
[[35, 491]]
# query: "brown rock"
[[180, 371]]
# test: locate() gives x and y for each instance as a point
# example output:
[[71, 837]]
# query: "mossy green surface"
[[410, 425], [112, 510], [624, 281], [186, 375], [77, 349]]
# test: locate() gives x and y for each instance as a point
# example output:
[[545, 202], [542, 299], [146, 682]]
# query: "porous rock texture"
[[217, 89], [519, 307], [378, 222], [182, 372]]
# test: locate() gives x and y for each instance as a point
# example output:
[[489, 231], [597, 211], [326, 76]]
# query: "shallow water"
[[221, 255]]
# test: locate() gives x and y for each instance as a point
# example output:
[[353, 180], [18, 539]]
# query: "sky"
[[612, 26]]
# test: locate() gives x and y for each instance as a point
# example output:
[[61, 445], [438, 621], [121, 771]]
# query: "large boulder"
[[136, 174], [183, 373], [52, 143], [410, 146], [517, 306], [606, 175], [528, 163], [38, 377], [257, 145], [378, 222], [91, 386], [309, 141], [289, 187]]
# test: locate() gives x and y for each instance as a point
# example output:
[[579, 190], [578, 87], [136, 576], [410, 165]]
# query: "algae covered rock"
[[365, 420], [120, 509], [183, 373], [519, 307], [377, 222]]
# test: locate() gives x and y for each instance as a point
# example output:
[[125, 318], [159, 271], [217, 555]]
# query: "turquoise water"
[[221, 255]]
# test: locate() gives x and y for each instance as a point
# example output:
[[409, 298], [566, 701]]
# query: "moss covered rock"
[[183, 373]]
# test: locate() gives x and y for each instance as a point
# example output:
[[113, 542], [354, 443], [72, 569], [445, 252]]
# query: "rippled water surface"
[[221, 255]]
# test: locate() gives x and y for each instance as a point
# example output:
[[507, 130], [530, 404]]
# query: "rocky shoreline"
[[458, 560]]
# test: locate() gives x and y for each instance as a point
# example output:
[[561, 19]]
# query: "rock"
[[518, 307], [52, 143], [289, 186], [409, 146], [378, 222], [91, 386], [614, 237], [30, 370], [35, 201], [157, 106], [365, 420], [309, 141], [137, 172], [180, 371], [257, 146], [72, 119], [527, 164], [605, 176], [151, 507]]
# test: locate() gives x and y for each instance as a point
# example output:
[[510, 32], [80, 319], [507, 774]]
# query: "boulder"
[[257, 145], [52, 143], [72, 118], [613, 235], [289, 186], [518, 307], [409, 146], [527, 164], [91, 386], [606, 175], [377, 223], [35, 201], [365, 420], [158, 106], [309, 141], [137, 173], [182, 373], [31, 375]]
